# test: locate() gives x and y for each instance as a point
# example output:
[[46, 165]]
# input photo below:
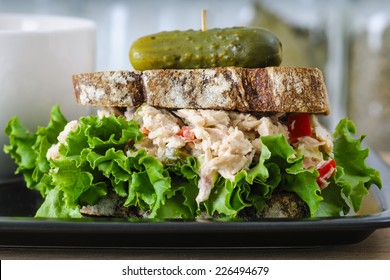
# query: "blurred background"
[[348, 40]]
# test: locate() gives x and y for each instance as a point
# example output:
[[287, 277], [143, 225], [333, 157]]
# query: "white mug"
[[38, 55]]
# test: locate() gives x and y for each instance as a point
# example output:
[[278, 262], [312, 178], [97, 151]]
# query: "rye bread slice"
[[270, 89]]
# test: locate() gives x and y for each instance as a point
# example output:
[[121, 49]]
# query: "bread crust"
[[270, 89]]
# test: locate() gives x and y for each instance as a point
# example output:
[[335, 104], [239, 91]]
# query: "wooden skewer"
[[204, 19]]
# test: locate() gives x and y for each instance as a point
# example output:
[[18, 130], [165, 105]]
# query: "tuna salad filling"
[[224, 142]]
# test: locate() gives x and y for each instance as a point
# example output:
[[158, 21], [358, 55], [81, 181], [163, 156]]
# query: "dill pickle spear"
[[237, 46]]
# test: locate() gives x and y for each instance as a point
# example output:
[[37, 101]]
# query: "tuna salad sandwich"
[[177, 142]]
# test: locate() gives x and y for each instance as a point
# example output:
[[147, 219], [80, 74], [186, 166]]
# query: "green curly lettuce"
[[29, 150], [95, 159], [353, 176]]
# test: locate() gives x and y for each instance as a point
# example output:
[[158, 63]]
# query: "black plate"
[[19, 228]]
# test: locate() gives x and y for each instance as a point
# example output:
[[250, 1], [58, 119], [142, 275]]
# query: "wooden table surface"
[[375, 247]]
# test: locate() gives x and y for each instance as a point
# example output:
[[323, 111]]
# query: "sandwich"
[[165, 143]]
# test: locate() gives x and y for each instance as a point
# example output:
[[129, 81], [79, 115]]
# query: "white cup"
[[38, 55]]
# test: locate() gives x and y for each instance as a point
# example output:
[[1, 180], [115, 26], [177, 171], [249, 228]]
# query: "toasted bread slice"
[[270, 89]]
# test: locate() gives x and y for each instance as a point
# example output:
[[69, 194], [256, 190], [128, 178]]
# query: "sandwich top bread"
[[270, 89], [225, 141]]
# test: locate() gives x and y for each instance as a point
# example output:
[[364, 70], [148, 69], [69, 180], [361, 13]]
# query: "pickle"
[[236, 46]]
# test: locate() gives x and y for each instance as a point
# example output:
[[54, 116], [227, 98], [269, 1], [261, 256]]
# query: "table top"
[[375, 247]]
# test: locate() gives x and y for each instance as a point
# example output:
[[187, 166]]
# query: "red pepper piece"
[[144, 130], [187, 133], [326, 171], [299, 126]]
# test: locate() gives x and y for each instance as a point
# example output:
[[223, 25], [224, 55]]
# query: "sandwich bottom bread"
[[221, 142]]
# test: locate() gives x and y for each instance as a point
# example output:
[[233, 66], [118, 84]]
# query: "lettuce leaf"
[[181, 202], [54, 207], [294, 178], [29, 150], [353, 176]]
